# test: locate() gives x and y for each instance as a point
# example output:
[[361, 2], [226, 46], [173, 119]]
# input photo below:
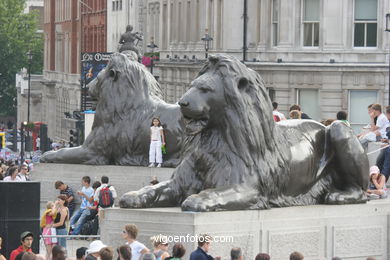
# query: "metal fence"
[[73, 242]]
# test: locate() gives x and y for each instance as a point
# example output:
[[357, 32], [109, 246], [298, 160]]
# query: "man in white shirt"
[[381, 123], [378, 129], [104, 181], [130, 235]]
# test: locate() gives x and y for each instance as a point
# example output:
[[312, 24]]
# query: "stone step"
[[353, 231], [123, 178]]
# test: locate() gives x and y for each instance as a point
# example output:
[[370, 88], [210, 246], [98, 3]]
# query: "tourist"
[[147, 256], [130, 235], [47, 220], [296, 256], [106, 194], [26, 239], [1, 256], [178, 251], [66, 190], [94, 249], [79, 218], [106, 253], [12, 175], [298, 107], [342, 116], [124, 252], [236, 254], [62, 214], [200, 253], [154, 181], [24, 174], [263, 256], [377, 186], [277, 115], [377, 131], [80, 253], [160, 245], [28, 256], [295, 114], [58, 253], [157, 139]]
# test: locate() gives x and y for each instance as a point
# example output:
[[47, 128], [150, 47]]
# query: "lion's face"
[[203, 103]]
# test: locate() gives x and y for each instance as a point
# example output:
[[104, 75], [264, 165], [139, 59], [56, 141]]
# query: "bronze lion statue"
[[236, 157], [128, 97]]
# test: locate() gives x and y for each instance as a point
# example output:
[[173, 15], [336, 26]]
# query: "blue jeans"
[[78, 220], [386, 163], [62, 240]]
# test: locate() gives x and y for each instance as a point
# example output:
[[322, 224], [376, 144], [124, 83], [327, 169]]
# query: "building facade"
[[65, 23], [326, 55]]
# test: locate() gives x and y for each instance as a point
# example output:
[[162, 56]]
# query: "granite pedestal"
[[319, 232], [123, 178]]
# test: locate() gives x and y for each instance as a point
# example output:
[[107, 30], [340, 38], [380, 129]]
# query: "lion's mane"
[[128, 97], [253, 150]]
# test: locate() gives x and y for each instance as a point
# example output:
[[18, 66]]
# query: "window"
[[358, 103], [275, 20], [365, 32], [113, 5], [271, 93], [120, 4], [311, 22], [308, 100]]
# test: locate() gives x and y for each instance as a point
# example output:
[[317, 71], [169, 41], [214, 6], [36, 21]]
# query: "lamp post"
[[29, 56], [206, 39], [388, 30], [152, 46], [23, 125], [245, 29]]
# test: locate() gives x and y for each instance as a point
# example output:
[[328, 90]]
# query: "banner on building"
[[92, 64]]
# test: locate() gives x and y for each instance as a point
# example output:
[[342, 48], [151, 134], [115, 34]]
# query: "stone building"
[[63, 29], [326, 55]]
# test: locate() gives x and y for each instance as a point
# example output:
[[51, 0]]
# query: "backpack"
[[105, 197]]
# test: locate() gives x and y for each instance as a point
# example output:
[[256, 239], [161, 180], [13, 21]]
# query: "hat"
[[26, 234], [95, 247], [374, 169]]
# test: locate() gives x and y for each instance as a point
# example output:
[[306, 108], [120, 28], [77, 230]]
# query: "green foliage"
[[18, 34], [155, 55]]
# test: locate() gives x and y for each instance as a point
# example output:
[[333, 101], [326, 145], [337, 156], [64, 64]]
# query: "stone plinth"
[[123, 178], [319, 232]]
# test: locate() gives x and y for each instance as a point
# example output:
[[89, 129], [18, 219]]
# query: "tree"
[[18, 34]]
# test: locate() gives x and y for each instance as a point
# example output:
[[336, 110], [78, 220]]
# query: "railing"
[[72, 243]]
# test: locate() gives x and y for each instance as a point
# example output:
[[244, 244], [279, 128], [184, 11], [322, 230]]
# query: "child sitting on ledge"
[[377, 186]]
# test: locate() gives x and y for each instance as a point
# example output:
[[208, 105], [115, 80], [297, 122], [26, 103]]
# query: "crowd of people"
[[83, 221], [9, 171], [131, 249]]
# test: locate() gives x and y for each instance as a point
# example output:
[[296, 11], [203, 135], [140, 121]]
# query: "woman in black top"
[[62, 216]]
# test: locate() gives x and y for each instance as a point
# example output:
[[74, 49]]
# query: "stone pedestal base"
[[319, 232], [123, 178]]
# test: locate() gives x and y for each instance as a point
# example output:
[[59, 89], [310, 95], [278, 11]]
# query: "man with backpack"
[[106, 194]]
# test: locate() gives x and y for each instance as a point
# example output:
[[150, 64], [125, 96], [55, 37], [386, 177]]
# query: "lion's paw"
[[132, 200], [350, 197], [197, 204]]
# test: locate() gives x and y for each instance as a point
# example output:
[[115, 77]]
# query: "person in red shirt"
[[27, 239]]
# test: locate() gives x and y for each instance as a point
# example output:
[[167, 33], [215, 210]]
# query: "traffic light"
[[74, 137], [2, 140], [15, 140]]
